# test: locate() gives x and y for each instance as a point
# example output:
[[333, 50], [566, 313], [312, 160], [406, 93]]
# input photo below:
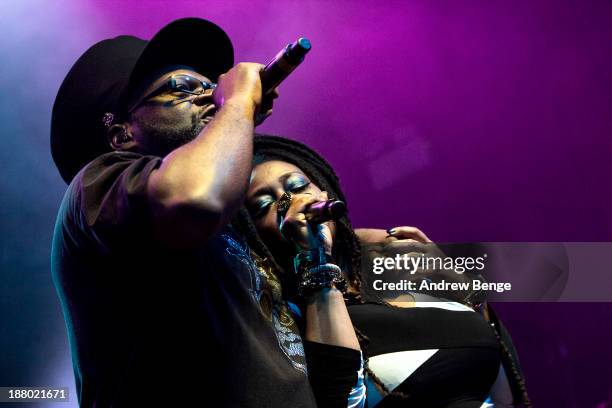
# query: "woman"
[[441, 355]]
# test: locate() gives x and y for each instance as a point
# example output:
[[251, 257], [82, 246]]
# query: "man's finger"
[[406, 232]]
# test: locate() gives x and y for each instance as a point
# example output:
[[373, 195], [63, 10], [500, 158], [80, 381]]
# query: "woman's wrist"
[[325, 295], [308, 258], [316, 271]]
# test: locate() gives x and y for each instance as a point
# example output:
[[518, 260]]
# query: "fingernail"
[[391, 231]]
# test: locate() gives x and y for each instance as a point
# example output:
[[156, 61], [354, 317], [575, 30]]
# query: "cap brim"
[[191, 42]]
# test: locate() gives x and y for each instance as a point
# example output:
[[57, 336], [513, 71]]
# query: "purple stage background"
[[474, 120]]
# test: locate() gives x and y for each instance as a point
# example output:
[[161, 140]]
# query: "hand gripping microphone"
[[283, 64], [323, 211]]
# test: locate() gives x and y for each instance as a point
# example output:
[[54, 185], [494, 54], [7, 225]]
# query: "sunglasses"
[[180, 85]]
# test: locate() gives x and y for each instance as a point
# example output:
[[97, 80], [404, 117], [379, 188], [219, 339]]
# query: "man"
[[163, 303]]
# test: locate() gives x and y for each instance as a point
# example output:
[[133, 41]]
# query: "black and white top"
[[436, 353]]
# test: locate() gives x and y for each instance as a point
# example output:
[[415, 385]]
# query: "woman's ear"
[[119, 137]]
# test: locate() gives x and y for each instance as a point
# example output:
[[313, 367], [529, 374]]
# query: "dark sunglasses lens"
[[185, 83], [189, 84]]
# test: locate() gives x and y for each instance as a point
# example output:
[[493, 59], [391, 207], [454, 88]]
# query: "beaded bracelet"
[[321, 277], [316, 272]]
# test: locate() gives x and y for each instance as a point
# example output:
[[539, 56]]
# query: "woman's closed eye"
[[263, 203], [261, 206], [296, 184]]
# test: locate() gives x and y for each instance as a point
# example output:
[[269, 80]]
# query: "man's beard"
[[163, 139]]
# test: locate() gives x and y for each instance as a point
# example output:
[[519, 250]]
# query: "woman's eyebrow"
[[267, 190], [261, 191], [285, 176]]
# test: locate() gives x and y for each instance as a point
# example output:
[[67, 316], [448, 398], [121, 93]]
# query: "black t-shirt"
[[153, 327]]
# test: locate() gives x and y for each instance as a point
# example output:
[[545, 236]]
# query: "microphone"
[[283, 64], [323, 211]]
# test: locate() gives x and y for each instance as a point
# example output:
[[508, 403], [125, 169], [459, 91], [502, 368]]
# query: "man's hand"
[[409, 233], [242, 85], [265, 109], [411, 240]]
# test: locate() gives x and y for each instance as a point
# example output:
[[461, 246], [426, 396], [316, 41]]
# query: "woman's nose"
[[279, 192]]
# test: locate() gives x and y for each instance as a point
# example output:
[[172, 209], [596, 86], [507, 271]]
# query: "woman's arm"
[[328, 321], [333, 355]]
